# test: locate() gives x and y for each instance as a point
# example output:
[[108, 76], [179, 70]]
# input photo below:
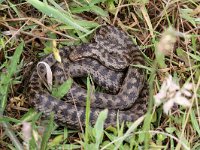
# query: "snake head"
[[79, 52]]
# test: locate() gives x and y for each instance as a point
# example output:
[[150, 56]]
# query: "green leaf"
[[129, 131], [29, 115], [112, 129], [62, 90], [15, 60], [5, 79], [69, 146], [8, 119], [183, 55], [99, 126], [87, 113], [87, 8], [87, 24], [194, 122], [57, 6], [111, 6], [10, 133], [1, 1], [196, 57], [186, 14], [65, 133], [99, 11], [14, 8], [52, 12], [170, 129], [80, 9], [56, 141], [47, 133], [183, 139], [110, 147], [93, 2]]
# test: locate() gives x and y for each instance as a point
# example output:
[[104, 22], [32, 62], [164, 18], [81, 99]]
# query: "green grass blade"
[[80, 9], [87, 8], [55, 141], [57, 6], [12, 136], [195, 57], [99, 11], [4, 89], [118, 141], [14, 8], [1, 1], [47, 133], [69, 146], [60, 91], [93, 2], [99, 126], [195, 122], [129, 131], [5, 79], [87, 112], [52, 12], [147, 121], [29, 115], [8, 119]]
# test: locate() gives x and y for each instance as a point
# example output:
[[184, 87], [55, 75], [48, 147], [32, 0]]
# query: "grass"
[[168, 33]]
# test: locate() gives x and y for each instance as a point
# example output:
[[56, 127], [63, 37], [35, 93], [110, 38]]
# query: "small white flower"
[[26, 131], [181, 100], [159, 97], [171, 93], [167, 106], [186, 89]]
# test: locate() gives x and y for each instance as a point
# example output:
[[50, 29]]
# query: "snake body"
[[106, 59]]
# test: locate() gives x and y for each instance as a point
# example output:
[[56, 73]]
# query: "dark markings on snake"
[[50, 59], [111, 49]]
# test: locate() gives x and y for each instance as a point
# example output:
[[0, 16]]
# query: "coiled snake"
[[107, 59]]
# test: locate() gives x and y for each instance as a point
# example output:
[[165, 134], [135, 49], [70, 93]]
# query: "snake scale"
[[107, 59]]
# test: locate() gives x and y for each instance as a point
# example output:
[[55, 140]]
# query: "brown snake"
[[106, 59]]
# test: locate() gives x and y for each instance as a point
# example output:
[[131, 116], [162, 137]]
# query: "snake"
[[111, 59]]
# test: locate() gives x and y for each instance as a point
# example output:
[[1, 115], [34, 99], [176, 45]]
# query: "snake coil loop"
[[107, 60]]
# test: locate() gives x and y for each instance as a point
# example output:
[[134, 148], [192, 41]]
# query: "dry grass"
[[145, 22]]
